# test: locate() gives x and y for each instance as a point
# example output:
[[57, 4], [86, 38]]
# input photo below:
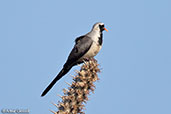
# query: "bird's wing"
[[82, 45]]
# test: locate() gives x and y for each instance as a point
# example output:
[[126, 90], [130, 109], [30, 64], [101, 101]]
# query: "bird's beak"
[[105, 29]]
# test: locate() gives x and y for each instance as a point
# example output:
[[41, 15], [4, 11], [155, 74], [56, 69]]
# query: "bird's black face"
[[102, 28]]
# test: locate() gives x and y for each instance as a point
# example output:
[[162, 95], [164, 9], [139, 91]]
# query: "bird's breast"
[[94, 49]]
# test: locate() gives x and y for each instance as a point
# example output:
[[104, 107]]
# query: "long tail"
[[60, 75]]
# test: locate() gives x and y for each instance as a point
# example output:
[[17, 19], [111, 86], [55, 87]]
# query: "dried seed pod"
[[76, 95]]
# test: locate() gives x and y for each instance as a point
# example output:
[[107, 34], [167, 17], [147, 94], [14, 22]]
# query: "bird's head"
[[99, 27]]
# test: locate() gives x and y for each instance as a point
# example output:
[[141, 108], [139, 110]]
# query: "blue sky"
[[36, 37]]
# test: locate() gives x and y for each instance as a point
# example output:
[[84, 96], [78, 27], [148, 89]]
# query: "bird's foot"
[[90, 59], [86, 59]]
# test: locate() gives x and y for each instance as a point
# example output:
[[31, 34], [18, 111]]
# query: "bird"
[[86, 46]]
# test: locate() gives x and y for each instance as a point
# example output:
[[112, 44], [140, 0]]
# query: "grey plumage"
[[85, 47], [82, 45]]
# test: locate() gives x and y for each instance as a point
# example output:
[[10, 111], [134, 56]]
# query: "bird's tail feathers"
[[60, 75]]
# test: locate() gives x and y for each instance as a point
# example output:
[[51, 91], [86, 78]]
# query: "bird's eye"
[[101, 26]]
